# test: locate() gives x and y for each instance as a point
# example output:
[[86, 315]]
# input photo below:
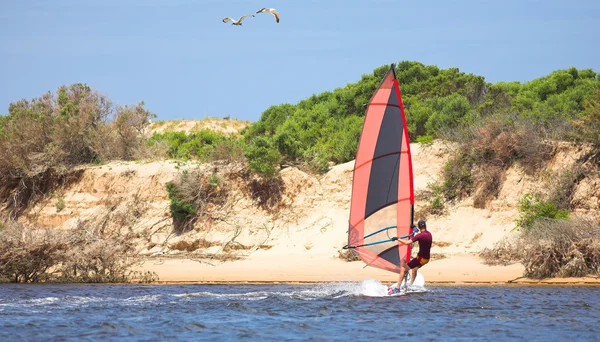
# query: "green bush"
[[588, 124], [324, 128], [424, 139], [263, 158], [181, 210], [191, 194], [182, 145], [60, 204], [533, 208], [457, 181]]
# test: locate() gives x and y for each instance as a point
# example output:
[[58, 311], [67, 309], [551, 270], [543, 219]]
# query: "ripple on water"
[[329, 311]]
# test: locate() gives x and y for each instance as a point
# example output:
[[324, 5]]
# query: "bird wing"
[[227, 19], [264, 9], [276, 15], [244, 16]]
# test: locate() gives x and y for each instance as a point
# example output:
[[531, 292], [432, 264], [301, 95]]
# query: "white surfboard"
[[417, 286]]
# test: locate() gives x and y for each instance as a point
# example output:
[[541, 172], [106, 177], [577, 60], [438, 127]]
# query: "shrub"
[[533, 208], [424, 139], [348, 255], [588, 125], [195, 145], [434, 199], [29, 254], [552, 248], [456, 175], [98, 255], [563, 187], [191, 194], [86, 254], [42, 140], [60, 204], [128, 133], [263, 158], [228, 150], [180, 209], [486, 150]]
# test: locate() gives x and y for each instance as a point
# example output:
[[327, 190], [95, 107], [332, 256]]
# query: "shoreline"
[[454, 270], [436, 284]]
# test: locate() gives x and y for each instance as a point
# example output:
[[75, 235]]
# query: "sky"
[[185, 63]]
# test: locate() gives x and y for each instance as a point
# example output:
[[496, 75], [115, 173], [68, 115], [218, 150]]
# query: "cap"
[[422, 224]]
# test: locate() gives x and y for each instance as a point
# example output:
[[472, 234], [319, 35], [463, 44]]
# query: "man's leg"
[[403, 269], [413, 265], [413, 275]]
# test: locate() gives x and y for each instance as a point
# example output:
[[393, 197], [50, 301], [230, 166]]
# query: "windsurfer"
[[424, 237]]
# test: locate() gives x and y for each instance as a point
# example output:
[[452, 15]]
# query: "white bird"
[[269, 10], [239, 21]]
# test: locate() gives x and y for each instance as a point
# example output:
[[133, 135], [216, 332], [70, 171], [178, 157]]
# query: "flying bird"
[[269, 10], [239, 21]]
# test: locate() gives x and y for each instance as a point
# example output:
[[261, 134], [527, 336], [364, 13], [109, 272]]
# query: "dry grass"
[[265, 247], [476, 237], [236, 246], [348, 255], [438, 256], [552, 248], [487, 149], [86, 254], [191, 246], [266, 192], [193, 195], [433, 199], [564, 185]]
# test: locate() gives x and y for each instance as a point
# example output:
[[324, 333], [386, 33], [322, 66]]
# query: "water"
[[321, 312]]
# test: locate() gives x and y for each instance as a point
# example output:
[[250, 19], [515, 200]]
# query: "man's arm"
[[405, 241]]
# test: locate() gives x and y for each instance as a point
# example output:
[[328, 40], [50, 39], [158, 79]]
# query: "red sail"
[[382, 185]]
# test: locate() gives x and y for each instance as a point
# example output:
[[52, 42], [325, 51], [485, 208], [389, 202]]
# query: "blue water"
[[321, 312]]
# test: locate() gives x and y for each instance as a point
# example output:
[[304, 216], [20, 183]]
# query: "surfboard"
[[417, 286]]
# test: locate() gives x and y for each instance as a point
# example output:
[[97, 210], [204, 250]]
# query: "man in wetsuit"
[[425, 239]]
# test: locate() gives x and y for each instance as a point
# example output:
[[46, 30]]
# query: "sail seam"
[[384, 104], [378, 157], [385, 206]]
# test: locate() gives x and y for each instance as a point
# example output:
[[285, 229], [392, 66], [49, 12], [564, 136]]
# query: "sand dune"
[[300, 240]]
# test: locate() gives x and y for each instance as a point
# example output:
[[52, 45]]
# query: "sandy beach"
[[456, 270]]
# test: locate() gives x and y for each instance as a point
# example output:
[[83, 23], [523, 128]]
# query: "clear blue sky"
[[178, 57]]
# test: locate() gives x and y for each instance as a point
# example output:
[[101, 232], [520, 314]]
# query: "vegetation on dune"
[[552, 248], [204, 145], [588, 124], [323, 129], [42, 140], [191, 194], [87, 254], [493, 126]]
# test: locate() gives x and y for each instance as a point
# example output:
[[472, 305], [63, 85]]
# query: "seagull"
[[269, 10], [239, 21]]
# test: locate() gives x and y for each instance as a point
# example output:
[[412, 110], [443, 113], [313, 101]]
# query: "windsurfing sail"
[[382, 202]]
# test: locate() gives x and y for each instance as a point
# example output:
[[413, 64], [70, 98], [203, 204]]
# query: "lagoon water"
[[321, 312]]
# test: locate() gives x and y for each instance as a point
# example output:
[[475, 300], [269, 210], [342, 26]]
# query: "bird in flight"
[[239, 21], [269, 10]]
